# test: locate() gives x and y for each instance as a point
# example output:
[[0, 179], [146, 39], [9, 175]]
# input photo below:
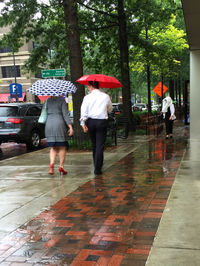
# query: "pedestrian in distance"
[[94, 120], [168, 111], [58, 127]]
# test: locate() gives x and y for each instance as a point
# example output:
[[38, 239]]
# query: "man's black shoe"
[[97, 172]]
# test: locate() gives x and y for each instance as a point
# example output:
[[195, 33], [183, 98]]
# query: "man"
[[94, 119]]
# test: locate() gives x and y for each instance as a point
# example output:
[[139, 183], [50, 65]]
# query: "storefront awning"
[[4, 97]]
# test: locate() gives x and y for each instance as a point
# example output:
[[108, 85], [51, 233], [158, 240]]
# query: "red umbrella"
[[104, 81]]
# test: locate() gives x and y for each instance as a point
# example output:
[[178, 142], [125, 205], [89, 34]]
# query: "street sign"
[[15, 88], [158, 89], [51, 73]]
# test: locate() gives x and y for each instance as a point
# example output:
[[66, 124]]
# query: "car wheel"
[[35, 140]]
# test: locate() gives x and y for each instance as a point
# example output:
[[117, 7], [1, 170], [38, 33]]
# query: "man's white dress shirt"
[[95, 105]]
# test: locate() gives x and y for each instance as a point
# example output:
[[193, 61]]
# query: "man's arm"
[[84, 115]]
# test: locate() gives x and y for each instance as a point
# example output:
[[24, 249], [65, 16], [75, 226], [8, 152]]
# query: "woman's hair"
[[94, 84]]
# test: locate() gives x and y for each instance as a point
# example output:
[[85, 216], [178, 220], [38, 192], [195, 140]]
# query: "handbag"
[[43, 116]]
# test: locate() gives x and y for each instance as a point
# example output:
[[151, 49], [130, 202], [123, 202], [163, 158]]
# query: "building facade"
[[191, 11], [11, 70]]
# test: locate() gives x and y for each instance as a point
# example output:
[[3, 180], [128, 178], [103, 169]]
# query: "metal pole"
[[17, 98]]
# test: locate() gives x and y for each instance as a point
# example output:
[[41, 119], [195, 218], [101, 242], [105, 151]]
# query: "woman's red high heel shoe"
[[62, 171], [51, 169]]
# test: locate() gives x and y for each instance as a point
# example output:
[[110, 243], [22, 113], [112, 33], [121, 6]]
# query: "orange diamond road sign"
[[158, 89]]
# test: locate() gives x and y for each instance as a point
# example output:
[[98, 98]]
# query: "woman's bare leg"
[[62, 154], [52, 154]]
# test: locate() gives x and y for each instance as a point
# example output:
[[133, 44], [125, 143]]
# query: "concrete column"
[[195, 95]]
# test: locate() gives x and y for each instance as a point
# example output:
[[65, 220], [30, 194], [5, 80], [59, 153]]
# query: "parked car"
[[117, 108], [139, 107], [19, 123], [155, 107]]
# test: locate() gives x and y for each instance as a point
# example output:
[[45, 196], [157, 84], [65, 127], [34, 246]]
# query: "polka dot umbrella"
[[52, 87]]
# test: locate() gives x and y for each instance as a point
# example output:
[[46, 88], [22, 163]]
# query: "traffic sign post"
[[15, 90], [51, 73]]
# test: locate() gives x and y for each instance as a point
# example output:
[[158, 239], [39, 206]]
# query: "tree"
[[148, 14], [124, 61], [75, 58], [166, 46], [114, 35], [29, 20], [110, 18]]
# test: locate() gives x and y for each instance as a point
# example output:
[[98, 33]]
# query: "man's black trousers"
[[97, 130]]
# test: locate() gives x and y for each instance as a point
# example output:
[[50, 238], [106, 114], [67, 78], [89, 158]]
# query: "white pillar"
[[195, 95]]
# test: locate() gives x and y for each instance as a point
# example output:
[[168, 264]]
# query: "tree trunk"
[[162, 82], [171, 88], [176, 91], [75, 57], [148, 79], [149, 88], [124, 63], [179, 93]]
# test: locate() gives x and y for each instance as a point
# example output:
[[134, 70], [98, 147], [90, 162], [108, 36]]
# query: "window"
[[22, 110], [33, 111], [5, 50], [9, 71], [8, 111]]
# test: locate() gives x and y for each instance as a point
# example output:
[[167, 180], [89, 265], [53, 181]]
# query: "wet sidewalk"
[[80, 219]]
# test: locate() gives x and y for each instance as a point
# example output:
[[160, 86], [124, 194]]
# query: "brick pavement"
[[110, 220]]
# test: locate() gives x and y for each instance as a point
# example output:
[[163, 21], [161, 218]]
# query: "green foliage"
[[155, 28], [84, 145], [167, 46], [42, 24], [136, 117], [99, 38], [140, 132]]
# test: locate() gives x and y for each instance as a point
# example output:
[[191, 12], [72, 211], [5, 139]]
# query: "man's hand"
[[85, 129]]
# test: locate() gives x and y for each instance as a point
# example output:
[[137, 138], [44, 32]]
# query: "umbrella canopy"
[[52, 87], [104, 81]]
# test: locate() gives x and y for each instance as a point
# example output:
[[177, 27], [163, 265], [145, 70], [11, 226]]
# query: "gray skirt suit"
[[56, 129]]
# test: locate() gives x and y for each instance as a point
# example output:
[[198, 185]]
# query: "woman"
[[168, 111], [56, 131]]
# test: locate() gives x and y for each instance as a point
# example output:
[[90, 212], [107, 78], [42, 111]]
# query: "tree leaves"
[[98, 23]]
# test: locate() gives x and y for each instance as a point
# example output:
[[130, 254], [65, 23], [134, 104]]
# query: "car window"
[[33, 111], [22, 110], [8, 111], [117, 107]]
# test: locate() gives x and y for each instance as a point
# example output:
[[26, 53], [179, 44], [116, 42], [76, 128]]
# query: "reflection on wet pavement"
[[110, 220], [8, 150]]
